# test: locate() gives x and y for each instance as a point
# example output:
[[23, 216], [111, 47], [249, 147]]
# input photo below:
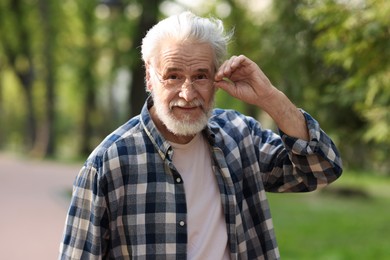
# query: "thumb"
[[227, 85]]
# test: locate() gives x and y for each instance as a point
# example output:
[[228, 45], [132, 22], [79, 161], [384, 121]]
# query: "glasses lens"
[[179, 81], [201, 83], [174, 83]]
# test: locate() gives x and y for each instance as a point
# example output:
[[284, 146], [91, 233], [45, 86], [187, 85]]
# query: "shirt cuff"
[[303, 147]]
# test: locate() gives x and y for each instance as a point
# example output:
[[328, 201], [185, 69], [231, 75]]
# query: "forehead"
[[185, 56]]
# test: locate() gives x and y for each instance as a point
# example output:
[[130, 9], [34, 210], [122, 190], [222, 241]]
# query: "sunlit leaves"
[[356, 37]]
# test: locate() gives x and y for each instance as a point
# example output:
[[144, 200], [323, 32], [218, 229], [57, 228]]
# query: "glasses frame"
[[181, 82]]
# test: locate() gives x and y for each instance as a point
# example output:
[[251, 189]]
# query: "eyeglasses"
[[176, 79]]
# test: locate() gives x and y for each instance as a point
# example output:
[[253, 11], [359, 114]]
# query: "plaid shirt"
[[129, 200]]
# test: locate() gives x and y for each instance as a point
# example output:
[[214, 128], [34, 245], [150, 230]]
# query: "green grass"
[[326, 225]]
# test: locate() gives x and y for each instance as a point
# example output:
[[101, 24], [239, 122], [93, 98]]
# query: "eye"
[[173, 76], [201, 76]]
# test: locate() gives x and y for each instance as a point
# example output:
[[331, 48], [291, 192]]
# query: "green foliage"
[[93, 47], [354, 37], [329, 56]]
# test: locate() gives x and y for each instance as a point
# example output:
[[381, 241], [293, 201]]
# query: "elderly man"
[[184, 180]]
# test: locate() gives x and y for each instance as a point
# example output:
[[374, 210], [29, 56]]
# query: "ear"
[[148, 80]]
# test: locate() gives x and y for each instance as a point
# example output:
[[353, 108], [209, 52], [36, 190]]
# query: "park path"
[[34, 202]]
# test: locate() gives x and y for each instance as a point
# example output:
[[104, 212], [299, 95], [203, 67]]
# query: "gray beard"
[[184, 127]]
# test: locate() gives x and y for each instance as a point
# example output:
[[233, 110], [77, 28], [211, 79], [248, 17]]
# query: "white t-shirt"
[[207, 234]]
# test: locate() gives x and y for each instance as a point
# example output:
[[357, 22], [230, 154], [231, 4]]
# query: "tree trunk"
[[45, 143], [24, 70], [137, 90], [88, 81], [30, 124], [2, 119]]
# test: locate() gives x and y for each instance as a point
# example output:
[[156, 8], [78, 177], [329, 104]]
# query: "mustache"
[[183, 103]]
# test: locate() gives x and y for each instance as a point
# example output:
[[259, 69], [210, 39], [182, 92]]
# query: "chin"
[[179, 123], [185, 127]]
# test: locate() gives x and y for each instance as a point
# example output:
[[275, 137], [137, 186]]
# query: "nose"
[[187, 91]]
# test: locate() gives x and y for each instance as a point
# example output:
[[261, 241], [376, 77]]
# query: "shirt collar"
[[162, 145]]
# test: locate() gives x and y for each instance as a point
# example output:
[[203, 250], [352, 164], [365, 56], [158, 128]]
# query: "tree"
[[352, 38], [118, 28], [149, 17], [28, 39], [45, 144], [16, 28]]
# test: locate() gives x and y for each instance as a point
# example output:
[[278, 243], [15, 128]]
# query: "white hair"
[[187, 27]]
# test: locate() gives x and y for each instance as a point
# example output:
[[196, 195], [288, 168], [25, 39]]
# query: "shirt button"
[[178, 180], [182, 223]]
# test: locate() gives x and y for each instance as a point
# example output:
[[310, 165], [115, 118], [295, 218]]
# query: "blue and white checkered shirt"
[[129, 201]]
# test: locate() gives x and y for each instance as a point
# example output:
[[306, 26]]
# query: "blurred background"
[[71, 72]]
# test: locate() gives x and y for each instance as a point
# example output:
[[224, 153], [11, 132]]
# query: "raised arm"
[[243, 79]]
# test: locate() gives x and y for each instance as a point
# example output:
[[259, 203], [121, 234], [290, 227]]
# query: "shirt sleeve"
[[86, 229], [305, 165]]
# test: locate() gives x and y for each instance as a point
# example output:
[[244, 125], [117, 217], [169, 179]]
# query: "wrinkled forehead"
[[186, 56]]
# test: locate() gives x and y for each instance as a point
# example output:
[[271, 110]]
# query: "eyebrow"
[[203, 70], [174, 69]]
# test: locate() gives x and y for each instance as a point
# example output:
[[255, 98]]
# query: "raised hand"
[[243, 79]]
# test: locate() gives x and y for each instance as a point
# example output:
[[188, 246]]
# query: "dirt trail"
[[33, 204]]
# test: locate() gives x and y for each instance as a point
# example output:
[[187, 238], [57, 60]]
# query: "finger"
[[225, 69], [219, 74], [225, 84], [229, 65], [233, 64], [237, 62], [229, 87]]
